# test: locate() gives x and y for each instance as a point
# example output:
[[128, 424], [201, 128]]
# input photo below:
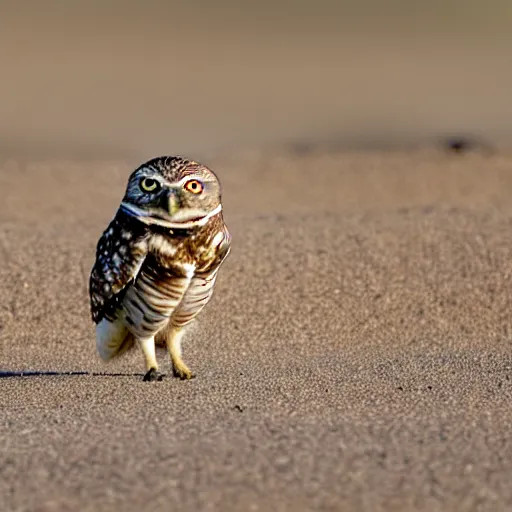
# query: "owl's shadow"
[[50, 373]]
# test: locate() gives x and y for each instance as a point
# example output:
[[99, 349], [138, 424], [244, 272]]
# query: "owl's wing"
[[120, 252]]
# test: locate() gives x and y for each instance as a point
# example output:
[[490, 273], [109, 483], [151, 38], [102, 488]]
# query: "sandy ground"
[[357, 353]]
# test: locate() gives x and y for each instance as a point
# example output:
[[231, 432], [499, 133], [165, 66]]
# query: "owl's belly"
[[151, 300]]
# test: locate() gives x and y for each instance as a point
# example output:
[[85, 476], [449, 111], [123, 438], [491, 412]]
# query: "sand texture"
[[356, 355]]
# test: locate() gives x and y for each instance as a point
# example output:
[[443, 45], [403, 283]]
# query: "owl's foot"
[[181, 371], [153, 375], [173, 340]]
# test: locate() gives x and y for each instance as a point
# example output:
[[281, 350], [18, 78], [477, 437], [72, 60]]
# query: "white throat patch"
[[145, 217]]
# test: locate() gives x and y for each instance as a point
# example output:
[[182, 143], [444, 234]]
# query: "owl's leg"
[[147, 346], [173, 340]]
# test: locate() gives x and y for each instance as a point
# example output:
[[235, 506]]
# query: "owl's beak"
[[173, 204]]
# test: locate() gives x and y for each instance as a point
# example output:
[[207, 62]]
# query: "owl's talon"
[[153, 375], [183, 373]]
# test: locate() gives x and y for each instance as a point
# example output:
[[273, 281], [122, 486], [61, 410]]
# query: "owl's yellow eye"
[[149, 184], [194, 186]]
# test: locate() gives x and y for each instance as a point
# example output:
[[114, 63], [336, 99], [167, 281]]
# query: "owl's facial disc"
[[188, 203]]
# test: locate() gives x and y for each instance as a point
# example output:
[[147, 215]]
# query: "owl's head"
[[172, 192]]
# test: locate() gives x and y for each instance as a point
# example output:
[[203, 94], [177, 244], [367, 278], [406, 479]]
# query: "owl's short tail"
[[113, 339]]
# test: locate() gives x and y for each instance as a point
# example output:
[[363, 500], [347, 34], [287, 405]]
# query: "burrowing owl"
[[157, 261]]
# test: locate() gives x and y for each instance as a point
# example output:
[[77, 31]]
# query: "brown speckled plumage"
[[157, 261], [125, 240]]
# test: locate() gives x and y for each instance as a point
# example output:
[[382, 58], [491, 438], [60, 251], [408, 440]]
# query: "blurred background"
[[132, 79]]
